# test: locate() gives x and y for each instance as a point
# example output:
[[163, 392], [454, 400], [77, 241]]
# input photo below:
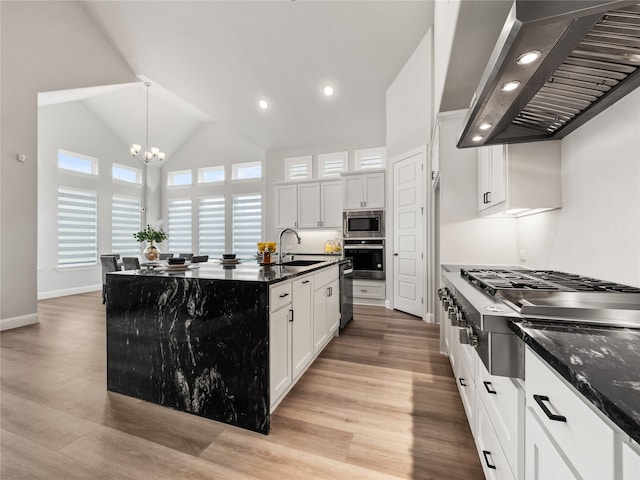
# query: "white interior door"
[[408, 244]]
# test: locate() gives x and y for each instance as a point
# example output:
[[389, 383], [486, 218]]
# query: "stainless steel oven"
[[363, 224], [367, 256]]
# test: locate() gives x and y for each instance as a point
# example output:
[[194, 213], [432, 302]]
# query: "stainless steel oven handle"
[[363, 247]]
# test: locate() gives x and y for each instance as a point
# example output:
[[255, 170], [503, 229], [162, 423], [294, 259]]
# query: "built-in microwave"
[[363, 224]]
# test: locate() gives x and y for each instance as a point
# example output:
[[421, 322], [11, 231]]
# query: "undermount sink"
[[300, 263]]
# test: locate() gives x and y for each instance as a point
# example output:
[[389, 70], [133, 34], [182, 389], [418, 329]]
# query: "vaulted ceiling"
[[214, 60]]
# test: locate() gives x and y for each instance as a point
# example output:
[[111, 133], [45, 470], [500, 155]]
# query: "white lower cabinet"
[[544, 461], [466, 387], [582, 439], [630, 460], [280, 371], [301, 326], [493, 459], [302, 319], [326, 307]]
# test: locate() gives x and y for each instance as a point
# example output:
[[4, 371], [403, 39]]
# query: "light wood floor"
[[380, 402]]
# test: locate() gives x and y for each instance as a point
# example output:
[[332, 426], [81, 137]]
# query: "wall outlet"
[[288, 248]]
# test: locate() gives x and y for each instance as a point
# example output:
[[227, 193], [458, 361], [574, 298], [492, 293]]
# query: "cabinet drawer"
[[503, 401], [630, 461], [493, 459], [467, 352], [364, 289], [585, 439], [464, 379], [325, 276], [279, 296]]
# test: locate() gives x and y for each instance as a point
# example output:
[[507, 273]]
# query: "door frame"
[[422, 150]]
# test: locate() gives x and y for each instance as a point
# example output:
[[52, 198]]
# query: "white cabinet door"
[[309, 205], [333, 307], [493, 460], [302, 333], [331, 204], [584, 439], [543, 460], [319, 318], [353, 192], [279, 353], [492, 188], [287, 206], [374, 190]]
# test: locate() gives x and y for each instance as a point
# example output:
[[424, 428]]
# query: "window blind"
[[247, 224], [180, 226], [125, 221], [77, 228], [211, 227]]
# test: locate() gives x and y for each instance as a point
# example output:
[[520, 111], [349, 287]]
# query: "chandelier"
[[149, 153]]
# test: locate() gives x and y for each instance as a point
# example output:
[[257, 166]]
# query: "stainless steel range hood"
[[589, 58]]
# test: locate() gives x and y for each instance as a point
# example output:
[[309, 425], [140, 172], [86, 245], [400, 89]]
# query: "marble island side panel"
[[195, 345]]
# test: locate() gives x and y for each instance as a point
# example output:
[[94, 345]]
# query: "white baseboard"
[[19, 321], [69, 291]]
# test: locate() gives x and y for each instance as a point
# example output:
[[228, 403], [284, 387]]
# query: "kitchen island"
[[197, 340]]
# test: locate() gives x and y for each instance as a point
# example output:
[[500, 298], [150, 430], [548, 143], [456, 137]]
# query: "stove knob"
[[441, 293], [468, 336], [460, 317], [452, 312]]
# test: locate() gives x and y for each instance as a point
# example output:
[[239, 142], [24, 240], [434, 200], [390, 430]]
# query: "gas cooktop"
[[494, 280], [548, 295]]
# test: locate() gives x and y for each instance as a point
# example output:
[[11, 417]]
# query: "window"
[[246, 171], [75, 162], [211, 226], [297, 168], [370, 158], [125, 221], [179, 178], [247, 224], [77, 228], [332, 164], [126, 174], [211, 175], [180, 226]]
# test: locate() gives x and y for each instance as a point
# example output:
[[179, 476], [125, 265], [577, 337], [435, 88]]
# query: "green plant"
[[150, 235]]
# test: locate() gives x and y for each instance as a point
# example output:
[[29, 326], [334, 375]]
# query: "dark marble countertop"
[[246, 271], [601, 363]]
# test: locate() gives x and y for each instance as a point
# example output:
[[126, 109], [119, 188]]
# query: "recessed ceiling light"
[[485, 126], [510, 86], [263, 104], [328, 90], [477, 138], [529, 57]]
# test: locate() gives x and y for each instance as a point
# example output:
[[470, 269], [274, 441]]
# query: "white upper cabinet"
[[309, 205], [286, 206], [363, 191], [519, 179]]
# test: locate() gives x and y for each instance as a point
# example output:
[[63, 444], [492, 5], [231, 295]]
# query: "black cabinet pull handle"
[[306, 281], [540, 399], [291, 315], [461, 380], [284, 295], [487, 455], [489, 387]]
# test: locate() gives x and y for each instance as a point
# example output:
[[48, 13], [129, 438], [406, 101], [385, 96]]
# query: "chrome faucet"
[[280, 254]]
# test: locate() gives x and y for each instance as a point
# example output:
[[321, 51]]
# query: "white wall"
[[466, 238], [73, 127], [409, 103], [39, 53], [445, 17], [597, 231]]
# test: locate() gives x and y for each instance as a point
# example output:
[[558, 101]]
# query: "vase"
[[151, 252], [266, 257]]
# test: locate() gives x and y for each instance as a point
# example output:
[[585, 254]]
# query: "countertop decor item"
[[151, 235], [266, 249]]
